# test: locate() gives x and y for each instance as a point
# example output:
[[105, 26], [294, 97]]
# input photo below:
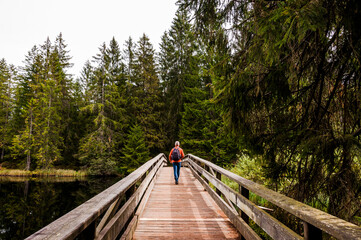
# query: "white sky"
[[85, 25]]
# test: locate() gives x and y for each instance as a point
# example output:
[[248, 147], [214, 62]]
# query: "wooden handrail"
[[314, 219], [83, 218]]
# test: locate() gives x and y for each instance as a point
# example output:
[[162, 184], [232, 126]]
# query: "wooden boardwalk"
[[183, 211], [156, 208]]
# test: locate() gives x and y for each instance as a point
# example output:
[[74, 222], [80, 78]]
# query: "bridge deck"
[[183, 211]]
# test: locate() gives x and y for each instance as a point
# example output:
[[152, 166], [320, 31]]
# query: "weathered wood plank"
[[183, 211], [108, 215], [116, 224], [328, 223], [269, 224], [71, 224], [237, 221], [128, 234]]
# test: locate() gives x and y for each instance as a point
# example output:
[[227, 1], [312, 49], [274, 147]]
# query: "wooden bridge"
[[148, 205]]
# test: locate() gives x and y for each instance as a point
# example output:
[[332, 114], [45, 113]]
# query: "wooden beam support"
[[245, 193], [269, 224], [108, 215], [128, 233], [70, 225], [241, 226], [311, 232], [332, 225], [116, 224], [219, 177]]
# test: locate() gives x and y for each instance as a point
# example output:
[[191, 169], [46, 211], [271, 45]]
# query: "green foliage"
[[135, 150], [250, 168], [292, 94], [147, 96], [40, 101], [7, 75], [97, 148], [179, 68]]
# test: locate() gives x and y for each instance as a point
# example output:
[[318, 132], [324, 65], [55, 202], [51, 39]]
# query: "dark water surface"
[[29, 204]]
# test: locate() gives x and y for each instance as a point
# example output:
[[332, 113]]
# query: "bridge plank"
[[71, 224], [269, 224], [336, 227], [115, 225], [183, 211]]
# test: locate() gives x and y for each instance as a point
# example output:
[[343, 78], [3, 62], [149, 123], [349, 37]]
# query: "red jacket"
[[181, 153]]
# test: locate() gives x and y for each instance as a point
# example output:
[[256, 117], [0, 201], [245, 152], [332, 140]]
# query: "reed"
[[43, 173]]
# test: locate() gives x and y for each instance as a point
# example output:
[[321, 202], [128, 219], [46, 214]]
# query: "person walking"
[[175, 156]]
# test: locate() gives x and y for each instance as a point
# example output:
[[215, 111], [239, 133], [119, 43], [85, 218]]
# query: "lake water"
[[29, 204]]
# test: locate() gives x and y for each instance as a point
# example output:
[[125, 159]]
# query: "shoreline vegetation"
[[43, 173]]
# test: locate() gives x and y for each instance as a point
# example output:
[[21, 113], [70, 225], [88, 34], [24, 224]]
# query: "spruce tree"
[[180, 66], [7, 80], [135, 150], [99, 147], [42, 93], [148, 97], [26, 103], [293, 95]]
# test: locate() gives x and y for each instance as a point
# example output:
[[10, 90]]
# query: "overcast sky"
[[85, 25]]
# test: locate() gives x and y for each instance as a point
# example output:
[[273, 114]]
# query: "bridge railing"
[[111, 212], [239, 209]]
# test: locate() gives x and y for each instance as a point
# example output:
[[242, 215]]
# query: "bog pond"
[[29, 204]]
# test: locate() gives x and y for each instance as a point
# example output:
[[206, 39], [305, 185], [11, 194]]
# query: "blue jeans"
[[176, 168]]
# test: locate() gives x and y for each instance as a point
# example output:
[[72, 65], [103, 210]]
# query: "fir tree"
[[7, 79], [41, 108], [135, 150], [179, 65], [147, 95], [293, 92], [98, 148], [26, 103]]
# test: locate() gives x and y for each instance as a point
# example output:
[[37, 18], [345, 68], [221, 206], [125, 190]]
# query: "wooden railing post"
[[207, 169], [245, 193], [130, 192], [89, 232], [219, 177], [311, 232]]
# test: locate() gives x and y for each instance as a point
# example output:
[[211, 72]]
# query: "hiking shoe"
[[176, 182]]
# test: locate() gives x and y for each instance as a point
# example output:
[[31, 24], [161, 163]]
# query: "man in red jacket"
[[175, 157]]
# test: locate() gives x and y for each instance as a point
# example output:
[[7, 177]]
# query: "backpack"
[[176, 154]]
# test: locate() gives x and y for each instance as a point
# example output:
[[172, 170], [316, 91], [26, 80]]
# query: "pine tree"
[[43, 107], [180, 66], [26, 103], [135, 150], [293, 95], [7, 79], [148, 96], [129, 58], [99, 148], [60, 65]]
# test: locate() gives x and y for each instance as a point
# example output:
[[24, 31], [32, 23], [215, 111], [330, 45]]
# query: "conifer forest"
[[268, 89]]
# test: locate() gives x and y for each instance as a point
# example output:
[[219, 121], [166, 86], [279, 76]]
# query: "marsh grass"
[[43, 173]]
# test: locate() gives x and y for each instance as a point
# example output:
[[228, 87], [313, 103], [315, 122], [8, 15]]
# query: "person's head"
[[177, 143]]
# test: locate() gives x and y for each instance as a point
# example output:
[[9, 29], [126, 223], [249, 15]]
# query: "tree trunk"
[[28, 157]]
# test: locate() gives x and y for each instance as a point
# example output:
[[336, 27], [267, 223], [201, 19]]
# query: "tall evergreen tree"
[[147, 95], [179, 65], [7, 79], [26, 102], [135, 150], [293, 94], [41, 108], [98, 148]]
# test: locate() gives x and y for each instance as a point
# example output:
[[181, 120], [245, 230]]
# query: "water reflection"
[[28, 204]]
